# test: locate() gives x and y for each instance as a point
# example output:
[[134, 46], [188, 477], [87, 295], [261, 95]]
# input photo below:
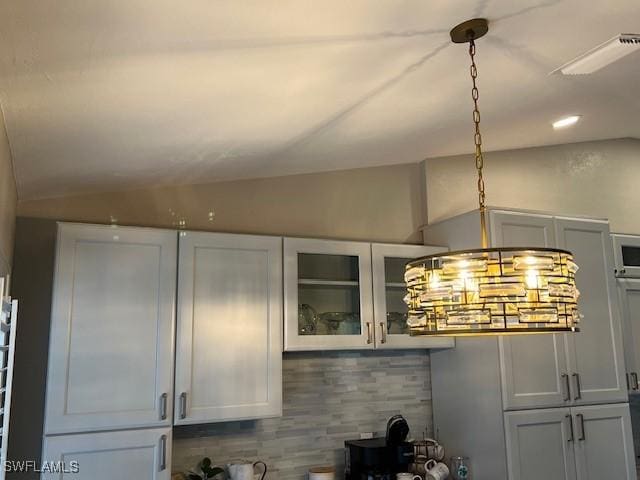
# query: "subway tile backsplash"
[[329, 397]]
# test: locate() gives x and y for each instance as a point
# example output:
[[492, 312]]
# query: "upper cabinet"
[[596, 356], [113, 327], [112, 324], [389, 310], [534, 367], [575, 368], [348, 295], [229, 335], [626, 252], [327, 292]]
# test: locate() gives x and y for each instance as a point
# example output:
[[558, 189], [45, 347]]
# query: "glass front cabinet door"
[[327, 291], [349, 295], [389, 310]]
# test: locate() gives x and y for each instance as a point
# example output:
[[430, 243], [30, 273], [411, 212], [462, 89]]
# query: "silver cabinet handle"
[[567, 387], [634, 379], [369, 339], [581, 418], [627, 378], [183, 405], [570, 427], [163, 406], [383, 335], [578, 394], [163, 453]]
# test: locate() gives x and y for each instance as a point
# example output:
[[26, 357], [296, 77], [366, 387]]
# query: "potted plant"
[[205, 470]]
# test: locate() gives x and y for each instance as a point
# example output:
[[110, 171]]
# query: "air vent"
[[603, 55]]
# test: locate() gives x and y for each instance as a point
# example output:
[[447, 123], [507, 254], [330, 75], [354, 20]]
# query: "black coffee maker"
[[380, 458]]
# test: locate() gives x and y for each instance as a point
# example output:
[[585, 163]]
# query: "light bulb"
[[531, 279]]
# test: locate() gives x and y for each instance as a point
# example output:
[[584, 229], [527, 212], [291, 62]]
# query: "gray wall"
[[328, 398], [597, 179], [380, 204], [8, 199], [32, 284]]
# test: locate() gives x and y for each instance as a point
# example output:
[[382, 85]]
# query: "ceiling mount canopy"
[[490, 291], [470, 30]]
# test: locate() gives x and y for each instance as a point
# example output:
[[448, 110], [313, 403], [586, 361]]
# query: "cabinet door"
[[534, 367], [229, 341], [596, 357], [604, 442], [629, 296], [389, 310], [327, 292], [109, 455], [540, 444], [112, 324]]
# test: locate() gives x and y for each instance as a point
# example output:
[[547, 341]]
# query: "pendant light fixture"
[[490, 290]]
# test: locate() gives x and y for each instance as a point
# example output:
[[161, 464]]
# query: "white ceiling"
[[116, 94]]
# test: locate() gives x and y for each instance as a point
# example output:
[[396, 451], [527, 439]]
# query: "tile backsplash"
[[329, 397]]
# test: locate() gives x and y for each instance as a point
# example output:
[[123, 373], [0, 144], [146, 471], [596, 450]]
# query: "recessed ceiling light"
[[602, 55], [566, 121]]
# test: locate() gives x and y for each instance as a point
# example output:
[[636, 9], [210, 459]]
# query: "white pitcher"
[[244, 470]]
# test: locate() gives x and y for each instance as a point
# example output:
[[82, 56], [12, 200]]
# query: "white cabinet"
[[348, 295], [565, 369], [327, 295], [389, 310], [629, 295], [534, 367], [626, 249], [517, 375], [229, 335], [514, 229], [626, 253], [540, 444], [111, 342], [583, 443], [596, 357], [604, 442], [134, 454]]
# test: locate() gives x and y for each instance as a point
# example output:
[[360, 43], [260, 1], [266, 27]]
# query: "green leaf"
[[214, 471], [193, 476], [206, 463]]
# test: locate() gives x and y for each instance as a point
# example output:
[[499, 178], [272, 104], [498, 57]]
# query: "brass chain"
[[476, 120]]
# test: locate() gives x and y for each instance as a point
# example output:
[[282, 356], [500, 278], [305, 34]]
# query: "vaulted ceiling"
[[105, 95]]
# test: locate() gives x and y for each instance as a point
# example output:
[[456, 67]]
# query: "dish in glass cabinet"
[[307, 320], [339, 323], [396, 323]]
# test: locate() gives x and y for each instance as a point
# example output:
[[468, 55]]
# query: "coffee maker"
[[380, 458]]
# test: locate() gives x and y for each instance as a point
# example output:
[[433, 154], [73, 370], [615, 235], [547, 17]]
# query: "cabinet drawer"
[[110, 455]]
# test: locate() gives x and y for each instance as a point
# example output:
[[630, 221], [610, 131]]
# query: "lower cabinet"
[[109, 455], [577, 443]]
